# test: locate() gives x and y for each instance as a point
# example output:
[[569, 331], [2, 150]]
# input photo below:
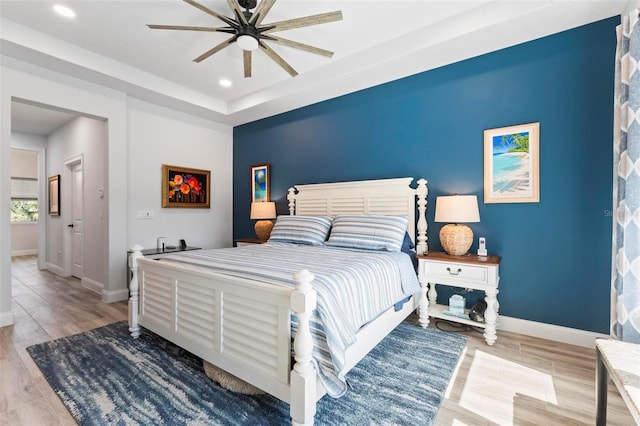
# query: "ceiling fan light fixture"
[[247, 42], [65, 11]]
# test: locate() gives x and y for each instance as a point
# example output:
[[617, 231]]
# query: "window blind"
[[24, 188]]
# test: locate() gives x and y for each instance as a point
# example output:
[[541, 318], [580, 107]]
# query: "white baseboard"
[[92, 285], [6, 318], [557, 333], [24, 252], [115, 296], [55, 269]]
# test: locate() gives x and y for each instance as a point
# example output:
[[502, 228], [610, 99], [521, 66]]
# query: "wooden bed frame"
[[243, 326]]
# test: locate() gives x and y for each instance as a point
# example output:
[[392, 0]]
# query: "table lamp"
[[456, 210], [262, 211]]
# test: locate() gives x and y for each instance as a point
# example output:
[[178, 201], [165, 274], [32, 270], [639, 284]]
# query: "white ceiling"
[[377, 41], [36, 119]]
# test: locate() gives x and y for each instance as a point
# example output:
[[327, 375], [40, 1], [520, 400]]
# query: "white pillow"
[[311, 230], [369, 232]]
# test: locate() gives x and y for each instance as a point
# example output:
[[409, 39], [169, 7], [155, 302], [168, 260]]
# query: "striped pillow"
[[311, 230], [370, 232]]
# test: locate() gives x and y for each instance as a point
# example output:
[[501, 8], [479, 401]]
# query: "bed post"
[[134, 305], [422, 248], [422, 191], [291, 196], [303, 376]]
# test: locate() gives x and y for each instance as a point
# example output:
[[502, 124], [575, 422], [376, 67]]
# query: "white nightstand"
[[469, 271], [240, 242], [157, 254]]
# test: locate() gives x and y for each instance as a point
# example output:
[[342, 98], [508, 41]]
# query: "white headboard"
[[381, 196]]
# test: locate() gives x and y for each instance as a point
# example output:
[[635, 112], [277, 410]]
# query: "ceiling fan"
[[249, 33]]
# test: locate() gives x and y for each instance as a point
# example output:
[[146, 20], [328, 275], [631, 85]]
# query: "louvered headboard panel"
[[382, 196]]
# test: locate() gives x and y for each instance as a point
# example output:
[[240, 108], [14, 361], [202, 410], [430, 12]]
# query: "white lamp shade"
[[457, 209], [247, 42], [263, 210]]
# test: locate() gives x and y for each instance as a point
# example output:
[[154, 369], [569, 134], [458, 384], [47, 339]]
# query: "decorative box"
[[456, 304]]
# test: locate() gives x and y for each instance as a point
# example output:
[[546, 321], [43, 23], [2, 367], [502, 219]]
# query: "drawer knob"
[[454, 273]]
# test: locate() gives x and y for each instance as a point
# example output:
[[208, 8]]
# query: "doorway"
[[47, 92], [73, 142], [74, 168], [31, 125]]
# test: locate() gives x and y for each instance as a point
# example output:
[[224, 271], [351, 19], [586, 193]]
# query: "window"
[[24, 200]]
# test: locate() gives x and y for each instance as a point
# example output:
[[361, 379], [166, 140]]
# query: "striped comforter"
[[353, 288]]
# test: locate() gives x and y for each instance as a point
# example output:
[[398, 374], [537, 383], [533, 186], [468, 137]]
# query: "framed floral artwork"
[[260, 182], [186, 188], [511, 164]]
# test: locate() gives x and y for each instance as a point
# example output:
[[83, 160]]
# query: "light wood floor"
[[519, 381]]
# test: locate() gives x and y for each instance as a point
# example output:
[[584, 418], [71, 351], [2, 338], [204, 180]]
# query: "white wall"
[[128, 127], [30, 141], [24, 238], [163, 136]]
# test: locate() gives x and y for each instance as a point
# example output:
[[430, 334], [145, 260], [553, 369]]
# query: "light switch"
[[145, 214]]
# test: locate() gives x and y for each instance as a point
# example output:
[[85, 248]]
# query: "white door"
[[77, 226]]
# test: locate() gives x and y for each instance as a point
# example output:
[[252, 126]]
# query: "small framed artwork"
[[511, 164], [185, 188], [260, 182], [54, 195]]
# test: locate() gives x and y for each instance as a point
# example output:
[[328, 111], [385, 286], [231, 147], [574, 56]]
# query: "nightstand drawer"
[[451, 272]]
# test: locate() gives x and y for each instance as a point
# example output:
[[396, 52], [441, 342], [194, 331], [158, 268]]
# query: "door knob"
[[70, 225]]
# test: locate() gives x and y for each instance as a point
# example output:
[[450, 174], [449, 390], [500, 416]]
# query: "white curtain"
[[625, 282]]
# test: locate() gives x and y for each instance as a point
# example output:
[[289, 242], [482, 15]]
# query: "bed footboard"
[[239, 325]]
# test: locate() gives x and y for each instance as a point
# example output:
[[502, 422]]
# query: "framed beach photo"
[[511, 164], [260, 182], [186, 188]]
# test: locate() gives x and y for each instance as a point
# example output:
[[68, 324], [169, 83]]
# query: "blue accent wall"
[[556, 253]]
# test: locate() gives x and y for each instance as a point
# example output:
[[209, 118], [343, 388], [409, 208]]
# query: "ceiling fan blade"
[[211, 12], [216, 49], [301, 46], [277, 59], [247, 63], [189, 28], [233, 4], [305, 21], [261, 11]]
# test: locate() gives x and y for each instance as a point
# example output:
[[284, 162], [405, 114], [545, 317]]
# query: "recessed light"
[[225, 82], [65, 11]]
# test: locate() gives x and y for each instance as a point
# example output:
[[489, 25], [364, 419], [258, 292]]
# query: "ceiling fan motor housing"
[[248, 30], [247, 4]]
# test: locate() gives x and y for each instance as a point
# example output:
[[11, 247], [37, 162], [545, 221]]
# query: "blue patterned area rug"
[[104, 377]]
